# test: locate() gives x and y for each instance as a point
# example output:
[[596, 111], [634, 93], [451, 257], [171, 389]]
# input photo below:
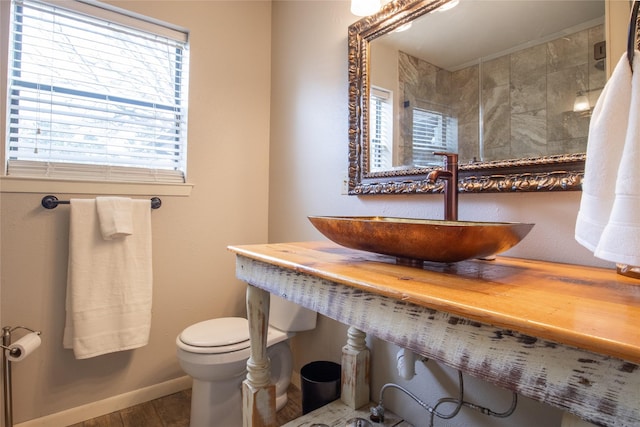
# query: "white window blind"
[[432, 132], [381, 130], [95, 93]]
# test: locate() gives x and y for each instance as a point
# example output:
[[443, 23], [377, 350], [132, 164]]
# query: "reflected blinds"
[[381, 130], [432, 132]]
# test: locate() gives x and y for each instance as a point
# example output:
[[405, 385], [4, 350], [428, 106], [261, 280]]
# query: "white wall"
[[194, 274], [308, 164]]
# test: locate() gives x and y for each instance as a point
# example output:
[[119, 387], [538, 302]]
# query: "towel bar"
[[51, 202]]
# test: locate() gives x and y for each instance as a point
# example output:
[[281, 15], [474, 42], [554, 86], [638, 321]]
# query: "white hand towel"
[[115, 217], [109, 283], [620, 240], [607, 134]]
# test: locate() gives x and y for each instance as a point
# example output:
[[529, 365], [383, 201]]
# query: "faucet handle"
[[450, 158]]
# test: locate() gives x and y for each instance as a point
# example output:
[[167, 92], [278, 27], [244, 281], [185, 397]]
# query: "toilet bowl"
[[215, 353]]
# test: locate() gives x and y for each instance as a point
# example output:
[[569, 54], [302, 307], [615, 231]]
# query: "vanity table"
[[565, 335]]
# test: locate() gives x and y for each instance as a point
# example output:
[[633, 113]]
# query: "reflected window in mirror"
[[431, 131], [381, 108]]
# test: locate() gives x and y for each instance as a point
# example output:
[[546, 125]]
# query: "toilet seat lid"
[[220, 332]]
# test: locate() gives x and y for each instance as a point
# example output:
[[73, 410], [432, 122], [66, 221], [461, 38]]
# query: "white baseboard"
[[111, 404]]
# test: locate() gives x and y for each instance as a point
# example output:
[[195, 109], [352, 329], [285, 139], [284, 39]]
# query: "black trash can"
[[320, 384]]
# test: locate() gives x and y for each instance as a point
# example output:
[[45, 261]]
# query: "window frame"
[[12, 183], [381, 129]]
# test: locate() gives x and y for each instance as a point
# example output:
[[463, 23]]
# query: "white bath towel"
[[109, 283], [620, 240], [608, 222], [114, 214]]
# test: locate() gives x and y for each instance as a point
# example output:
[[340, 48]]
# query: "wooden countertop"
[[589, 308]]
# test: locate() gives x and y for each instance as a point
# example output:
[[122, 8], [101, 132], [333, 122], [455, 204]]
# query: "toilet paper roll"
[[23, 347]]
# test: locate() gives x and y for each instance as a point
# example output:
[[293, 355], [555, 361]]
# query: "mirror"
[[508, 85]]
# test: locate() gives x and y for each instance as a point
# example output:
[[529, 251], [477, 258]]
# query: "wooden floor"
[[174, 410]]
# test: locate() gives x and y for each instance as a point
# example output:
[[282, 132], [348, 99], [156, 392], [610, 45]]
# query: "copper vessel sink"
[[415, 240]]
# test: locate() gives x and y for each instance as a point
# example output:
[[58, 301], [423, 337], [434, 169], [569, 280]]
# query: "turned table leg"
[[258, 394], [355, 370]]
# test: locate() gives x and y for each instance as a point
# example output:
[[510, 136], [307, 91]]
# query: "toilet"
[[215, 353]]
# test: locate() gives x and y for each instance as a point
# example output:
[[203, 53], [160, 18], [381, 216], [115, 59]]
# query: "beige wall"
[[194, 274], [289, 163], [308, 164]]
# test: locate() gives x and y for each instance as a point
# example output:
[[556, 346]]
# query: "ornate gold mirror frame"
[[552, 173]]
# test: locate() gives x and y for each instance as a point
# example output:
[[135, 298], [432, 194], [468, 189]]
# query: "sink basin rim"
[[420, 221]]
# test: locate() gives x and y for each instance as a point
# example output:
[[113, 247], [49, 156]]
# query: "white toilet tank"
[[289, 317]]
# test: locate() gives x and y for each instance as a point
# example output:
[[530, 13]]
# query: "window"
[[95, 93], [381, 128], [432, 132]]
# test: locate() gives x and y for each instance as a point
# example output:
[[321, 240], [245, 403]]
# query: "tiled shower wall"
[[525, 98]]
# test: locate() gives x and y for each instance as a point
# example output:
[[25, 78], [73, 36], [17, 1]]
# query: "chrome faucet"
[[449, 174]]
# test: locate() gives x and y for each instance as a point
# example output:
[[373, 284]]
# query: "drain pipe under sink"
[[406, 363]]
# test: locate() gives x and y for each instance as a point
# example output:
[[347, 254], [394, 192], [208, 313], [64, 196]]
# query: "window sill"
[[35, 185]]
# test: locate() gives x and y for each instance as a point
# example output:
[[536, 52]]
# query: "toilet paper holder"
[[6, 338], [13, 351]]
